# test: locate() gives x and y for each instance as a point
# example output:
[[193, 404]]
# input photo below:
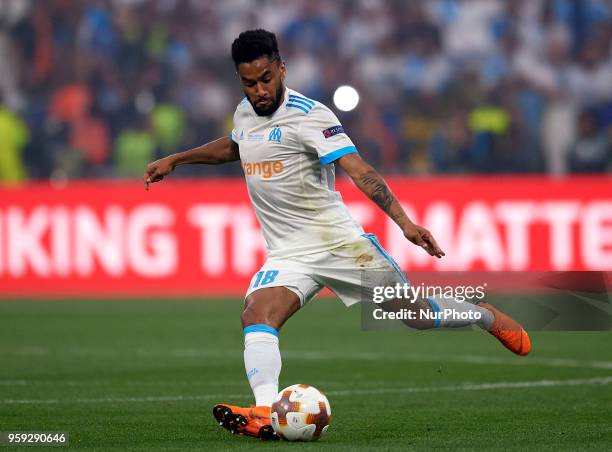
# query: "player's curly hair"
[[253, 44]]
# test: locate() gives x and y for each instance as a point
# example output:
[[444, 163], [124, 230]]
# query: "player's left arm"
[[371, 183]]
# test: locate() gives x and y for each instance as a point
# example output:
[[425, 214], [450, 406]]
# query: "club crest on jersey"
[[335, 130], [275, 135]]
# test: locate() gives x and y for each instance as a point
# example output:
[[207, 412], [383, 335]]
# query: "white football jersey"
[[287, 159]]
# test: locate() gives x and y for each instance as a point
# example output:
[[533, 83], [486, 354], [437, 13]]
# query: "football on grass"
[[300, 413]]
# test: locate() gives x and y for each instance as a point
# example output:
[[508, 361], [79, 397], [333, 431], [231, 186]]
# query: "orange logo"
[[264, 169]]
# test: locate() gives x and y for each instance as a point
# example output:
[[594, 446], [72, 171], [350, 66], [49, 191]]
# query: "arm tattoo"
[[378, 191]]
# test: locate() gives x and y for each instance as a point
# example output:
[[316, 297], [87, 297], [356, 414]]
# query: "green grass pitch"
[[143, 375]]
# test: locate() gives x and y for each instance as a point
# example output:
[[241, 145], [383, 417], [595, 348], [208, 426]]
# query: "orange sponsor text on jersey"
[[264, 169]]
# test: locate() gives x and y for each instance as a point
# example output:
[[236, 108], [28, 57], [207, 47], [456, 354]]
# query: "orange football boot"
[[253, 421], [509, 332]]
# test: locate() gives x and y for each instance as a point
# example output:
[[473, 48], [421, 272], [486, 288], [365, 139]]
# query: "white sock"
[[262, 362], [472, 314]]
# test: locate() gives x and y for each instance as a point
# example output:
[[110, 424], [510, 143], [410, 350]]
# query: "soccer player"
[[288, 145]]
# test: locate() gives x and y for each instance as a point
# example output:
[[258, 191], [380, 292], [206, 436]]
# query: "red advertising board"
[[192, 238]]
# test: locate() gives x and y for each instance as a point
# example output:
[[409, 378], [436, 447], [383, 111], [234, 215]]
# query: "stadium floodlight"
[[346, 98]]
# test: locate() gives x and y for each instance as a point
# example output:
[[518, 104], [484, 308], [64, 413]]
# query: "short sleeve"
[[235, 119], [234, 133], [322, 132]]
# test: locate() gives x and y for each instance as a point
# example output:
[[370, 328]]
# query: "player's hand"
[[157, 170], [423, 238]]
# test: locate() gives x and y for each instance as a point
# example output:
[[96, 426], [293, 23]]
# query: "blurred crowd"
[[99, 88]]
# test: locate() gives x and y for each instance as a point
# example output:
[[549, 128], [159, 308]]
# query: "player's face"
[[263, 84]]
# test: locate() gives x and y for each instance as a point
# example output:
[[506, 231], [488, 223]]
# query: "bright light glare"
[[346, 98]]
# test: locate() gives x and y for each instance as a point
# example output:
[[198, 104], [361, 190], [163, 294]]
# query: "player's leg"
[[365, 264], [504, 328], [354, 270], [425, 308], [451, 313], [275, 294], [429, 313], [265, 311]]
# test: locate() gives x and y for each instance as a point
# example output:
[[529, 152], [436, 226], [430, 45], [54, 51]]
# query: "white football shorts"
[[350, 271]]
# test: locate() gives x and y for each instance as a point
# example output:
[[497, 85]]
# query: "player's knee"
[[253, 316], [270, 307]]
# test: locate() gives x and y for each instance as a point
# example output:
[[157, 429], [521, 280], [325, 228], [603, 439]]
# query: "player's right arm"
[[223, 150]]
